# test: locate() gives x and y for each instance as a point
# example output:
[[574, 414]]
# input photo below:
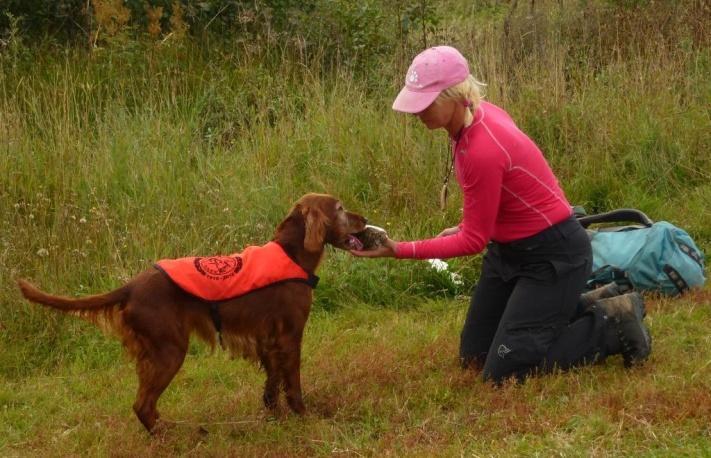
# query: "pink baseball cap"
[[431, 72]]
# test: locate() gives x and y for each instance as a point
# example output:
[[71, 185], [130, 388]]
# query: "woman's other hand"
[[386, 250], [449, 231]]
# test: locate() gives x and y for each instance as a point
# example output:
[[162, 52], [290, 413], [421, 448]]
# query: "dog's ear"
[[315, 224]]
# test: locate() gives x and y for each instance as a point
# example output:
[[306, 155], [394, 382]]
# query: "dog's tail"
[[68, 304]]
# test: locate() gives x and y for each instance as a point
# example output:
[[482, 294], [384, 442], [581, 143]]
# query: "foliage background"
[[132, 131]]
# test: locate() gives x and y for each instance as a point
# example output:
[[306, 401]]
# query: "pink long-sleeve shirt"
[[508, 188]]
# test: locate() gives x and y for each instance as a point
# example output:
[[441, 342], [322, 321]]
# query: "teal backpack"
[[645, 255]]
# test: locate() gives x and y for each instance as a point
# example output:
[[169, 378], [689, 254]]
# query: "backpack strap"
[[690, 252], [676, 278], [617, 216], [607, 274]]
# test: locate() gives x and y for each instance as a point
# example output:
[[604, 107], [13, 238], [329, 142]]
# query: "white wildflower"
[[438, 265], [441, 266], [42, 252]]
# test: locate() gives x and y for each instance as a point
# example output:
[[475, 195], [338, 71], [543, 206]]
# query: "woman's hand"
[[449, 231], [386, 250]]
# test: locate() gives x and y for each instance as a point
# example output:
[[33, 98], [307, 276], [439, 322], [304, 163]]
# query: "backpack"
[[645, 255]]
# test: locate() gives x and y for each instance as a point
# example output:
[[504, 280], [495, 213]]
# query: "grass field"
[[380, 383], [142, 149]]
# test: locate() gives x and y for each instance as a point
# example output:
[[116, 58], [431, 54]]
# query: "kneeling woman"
[[526, 312]]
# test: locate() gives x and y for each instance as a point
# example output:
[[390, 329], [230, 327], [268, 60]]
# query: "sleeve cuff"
[[405, 250]]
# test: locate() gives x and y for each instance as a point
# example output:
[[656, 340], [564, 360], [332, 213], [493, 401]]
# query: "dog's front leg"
[[291, 362], [271, 387]]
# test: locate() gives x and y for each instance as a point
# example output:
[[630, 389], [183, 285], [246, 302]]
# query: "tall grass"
[[140, 151]]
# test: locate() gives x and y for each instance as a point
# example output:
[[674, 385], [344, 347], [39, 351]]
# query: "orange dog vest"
[[219, 278]]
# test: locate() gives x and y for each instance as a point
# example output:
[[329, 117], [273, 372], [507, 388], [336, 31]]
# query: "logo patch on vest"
[[219, 267]]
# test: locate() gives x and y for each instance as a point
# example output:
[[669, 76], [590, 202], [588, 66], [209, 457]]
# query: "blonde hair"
[[468, 90]]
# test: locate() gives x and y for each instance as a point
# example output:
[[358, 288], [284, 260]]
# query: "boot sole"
[[638, 303], [640, 313]]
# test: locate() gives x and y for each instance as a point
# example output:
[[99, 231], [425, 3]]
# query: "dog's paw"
[[270, 398], [161, 429]]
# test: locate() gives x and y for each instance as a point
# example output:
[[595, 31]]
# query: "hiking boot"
[[628, 334], [609, 290]]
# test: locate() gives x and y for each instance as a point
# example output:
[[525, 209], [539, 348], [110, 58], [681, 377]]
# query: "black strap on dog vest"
[[312, 281], [217, 321]]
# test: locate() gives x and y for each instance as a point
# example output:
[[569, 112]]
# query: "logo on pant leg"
[[502, 351]]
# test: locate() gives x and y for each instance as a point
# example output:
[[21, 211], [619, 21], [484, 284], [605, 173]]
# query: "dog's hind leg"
[[155, 369]]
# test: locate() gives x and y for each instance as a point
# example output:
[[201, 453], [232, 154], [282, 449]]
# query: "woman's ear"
[[315, 224]]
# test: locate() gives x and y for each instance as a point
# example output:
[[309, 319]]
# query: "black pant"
[[523, 315]]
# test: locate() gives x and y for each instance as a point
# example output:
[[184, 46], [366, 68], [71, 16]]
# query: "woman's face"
[[438, 114]]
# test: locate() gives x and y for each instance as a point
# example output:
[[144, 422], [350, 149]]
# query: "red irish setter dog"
[[155, 318]]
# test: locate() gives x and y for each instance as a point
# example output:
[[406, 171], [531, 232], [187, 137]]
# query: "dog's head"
[[324, 220]]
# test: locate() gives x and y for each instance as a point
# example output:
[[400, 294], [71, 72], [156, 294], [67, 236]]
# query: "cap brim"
[[408, 101]]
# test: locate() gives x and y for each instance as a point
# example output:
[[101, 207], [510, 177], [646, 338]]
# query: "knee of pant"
[[518, 352], [494, 375], [472, 345], [475, 361], [475, 340], [498, 375]]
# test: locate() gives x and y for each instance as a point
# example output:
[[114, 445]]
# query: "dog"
[[154, 317]]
